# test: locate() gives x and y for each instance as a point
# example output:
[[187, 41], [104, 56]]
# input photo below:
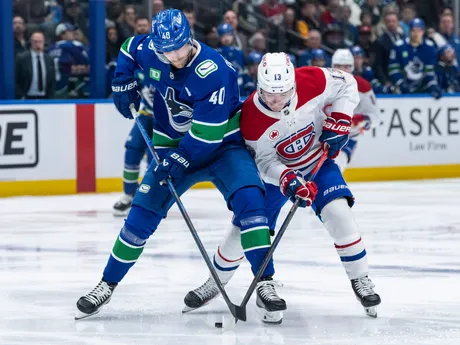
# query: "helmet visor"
[[276, 101]]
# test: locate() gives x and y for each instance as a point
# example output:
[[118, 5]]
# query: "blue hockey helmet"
[[224, 29], [318, 54], [254, 58], [417, 23], [444, 49], [170, 31], [357, 51], [292, 58]]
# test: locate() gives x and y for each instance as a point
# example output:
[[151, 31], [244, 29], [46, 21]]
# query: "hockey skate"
[[122, 206], [93, 302], [201, 296], [269, 301], [363, 289]]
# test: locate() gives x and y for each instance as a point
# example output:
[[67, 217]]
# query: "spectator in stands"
[[249, 84], [314, 42], [191, 17], [258, 43], [366, 18], [19, 31], [273, 10], [127, 22], [228, 49], [365, 41], [142, 26], [241, 40], [412, 62], [383, 45], [309, 19], [349, 30], [333, 37], [407, 14], [292, 40], [113, 45], [35, 75], [211, 37], [364, 70], [318, 58], [157, 6], [372, 7], [332, 13], [72, 59], [447, 70], [446, 28], [75, 16]]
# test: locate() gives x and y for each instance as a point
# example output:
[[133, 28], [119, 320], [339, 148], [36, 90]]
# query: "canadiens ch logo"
[[274, 134], [296, 145]]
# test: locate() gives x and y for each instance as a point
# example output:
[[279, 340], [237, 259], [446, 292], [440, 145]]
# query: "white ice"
[[53, 250]]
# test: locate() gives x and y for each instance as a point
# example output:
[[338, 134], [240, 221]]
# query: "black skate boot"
[[92, 303], [269, 301], [363, 288], [122, 206], [201, 296]]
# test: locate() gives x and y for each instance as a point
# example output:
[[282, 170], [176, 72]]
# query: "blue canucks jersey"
[[249, 85], [196, 108], [448, 77], [147, 91], [368, 74], [69, 53], [413, 66]]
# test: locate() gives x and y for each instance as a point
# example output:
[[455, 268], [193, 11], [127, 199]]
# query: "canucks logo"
[[180, 114], [414, 69]]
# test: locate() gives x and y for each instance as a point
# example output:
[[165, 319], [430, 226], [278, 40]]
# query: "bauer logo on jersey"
[[180, 114], [18, 139], [296, 145]]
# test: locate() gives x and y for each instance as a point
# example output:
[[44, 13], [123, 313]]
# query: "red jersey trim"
[[363, 85]]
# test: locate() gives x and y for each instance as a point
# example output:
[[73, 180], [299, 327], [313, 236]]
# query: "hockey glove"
[[294, 186], [174, 164], [125, 91], [336, 130], [435, 92], [361, 121]]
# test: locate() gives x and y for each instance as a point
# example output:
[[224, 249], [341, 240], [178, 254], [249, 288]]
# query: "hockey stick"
[[238, 312], [280, 234]]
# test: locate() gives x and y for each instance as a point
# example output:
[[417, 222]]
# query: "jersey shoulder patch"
[[205, 68], [311, 82], [253, 123], [131, 44], [363, 85]]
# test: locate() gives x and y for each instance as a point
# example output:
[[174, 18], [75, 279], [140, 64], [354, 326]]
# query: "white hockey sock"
[[229, 254]]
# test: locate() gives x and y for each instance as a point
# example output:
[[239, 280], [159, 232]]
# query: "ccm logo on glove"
[[123, 88]]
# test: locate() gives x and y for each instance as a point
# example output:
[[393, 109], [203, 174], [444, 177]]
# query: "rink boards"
[[66, 148]]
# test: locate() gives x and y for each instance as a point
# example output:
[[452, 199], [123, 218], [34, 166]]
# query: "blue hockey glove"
[[174, 164], [125, 91], [435, 92], [336, 130]]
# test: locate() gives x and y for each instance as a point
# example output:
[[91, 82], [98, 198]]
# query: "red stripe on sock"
[[226, 260], [347, 245], [86, 148]]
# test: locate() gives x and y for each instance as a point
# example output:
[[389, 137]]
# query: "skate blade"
[[371, 312], [80, 315], [272, 317]]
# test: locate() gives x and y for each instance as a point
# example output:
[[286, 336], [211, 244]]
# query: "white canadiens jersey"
[[290, 139]]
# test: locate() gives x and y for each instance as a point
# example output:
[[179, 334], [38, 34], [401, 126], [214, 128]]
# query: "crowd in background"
[[51, 39]]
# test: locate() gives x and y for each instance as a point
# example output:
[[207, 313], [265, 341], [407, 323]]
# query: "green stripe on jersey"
[[125, 252], [214, 133], [255, 238], [161, 139], [126, 44]]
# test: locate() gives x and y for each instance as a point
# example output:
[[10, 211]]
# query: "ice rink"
[[53, 250]]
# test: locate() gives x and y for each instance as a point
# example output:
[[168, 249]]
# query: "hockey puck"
[[218, 324]]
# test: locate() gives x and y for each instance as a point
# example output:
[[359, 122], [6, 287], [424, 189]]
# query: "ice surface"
[[53, 250]]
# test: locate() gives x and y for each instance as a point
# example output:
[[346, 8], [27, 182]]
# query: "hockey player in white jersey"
[[285, 125], [365, 116]]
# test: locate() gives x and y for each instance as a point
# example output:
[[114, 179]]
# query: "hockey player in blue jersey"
[[447, 70], [136, 148], [412, 61], [227, 48], [319, 58], [198, 138], [72, 59], [250, 74], [366, 72]]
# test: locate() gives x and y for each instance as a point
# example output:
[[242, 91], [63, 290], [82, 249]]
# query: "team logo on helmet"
[[296, 145]]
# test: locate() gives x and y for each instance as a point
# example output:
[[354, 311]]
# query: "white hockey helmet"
[[343, 57], [276, 80]]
